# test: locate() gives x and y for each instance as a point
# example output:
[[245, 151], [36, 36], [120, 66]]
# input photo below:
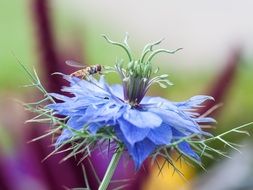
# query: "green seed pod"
[[147, 70], [130, 65], [138, 70]]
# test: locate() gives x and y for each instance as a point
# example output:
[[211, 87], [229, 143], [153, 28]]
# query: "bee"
[[85, 71]]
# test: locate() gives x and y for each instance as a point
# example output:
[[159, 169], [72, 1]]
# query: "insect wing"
[[72, 63]]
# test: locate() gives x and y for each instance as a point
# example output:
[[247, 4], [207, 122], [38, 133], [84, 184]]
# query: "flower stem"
[[111, 169]]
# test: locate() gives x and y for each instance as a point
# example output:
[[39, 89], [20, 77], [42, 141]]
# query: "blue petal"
[[178, 120], [65, 135], [158, 102], [194, 101], [74, 105], [59, 96], [117, 90], [105, 113], [94, 127], [185, 148], [142, 119], [76, 123], [85, 88], [161, 135], [205, 120], [140, 151], [177, 134], [132, 133], [109, 111]]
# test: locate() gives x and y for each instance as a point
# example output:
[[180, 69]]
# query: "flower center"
[[136, 76], [136, 80]]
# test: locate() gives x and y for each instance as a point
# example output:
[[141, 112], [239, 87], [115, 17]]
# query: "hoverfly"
[[85, 71]]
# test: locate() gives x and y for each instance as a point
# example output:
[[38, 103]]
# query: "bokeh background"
[[217, 59]]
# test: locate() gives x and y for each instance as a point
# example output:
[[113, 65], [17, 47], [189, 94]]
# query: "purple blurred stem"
[[49, 59], [68, 173], [223, 82]]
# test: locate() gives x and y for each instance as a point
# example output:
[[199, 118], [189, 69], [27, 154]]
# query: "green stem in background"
[[111, 169]]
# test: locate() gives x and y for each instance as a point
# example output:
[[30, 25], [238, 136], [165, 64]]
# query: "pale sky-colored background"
[[207, 30]]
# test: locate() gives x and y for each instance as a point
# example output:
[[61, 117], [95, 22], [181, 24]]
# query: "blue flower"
[[143, 124]]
